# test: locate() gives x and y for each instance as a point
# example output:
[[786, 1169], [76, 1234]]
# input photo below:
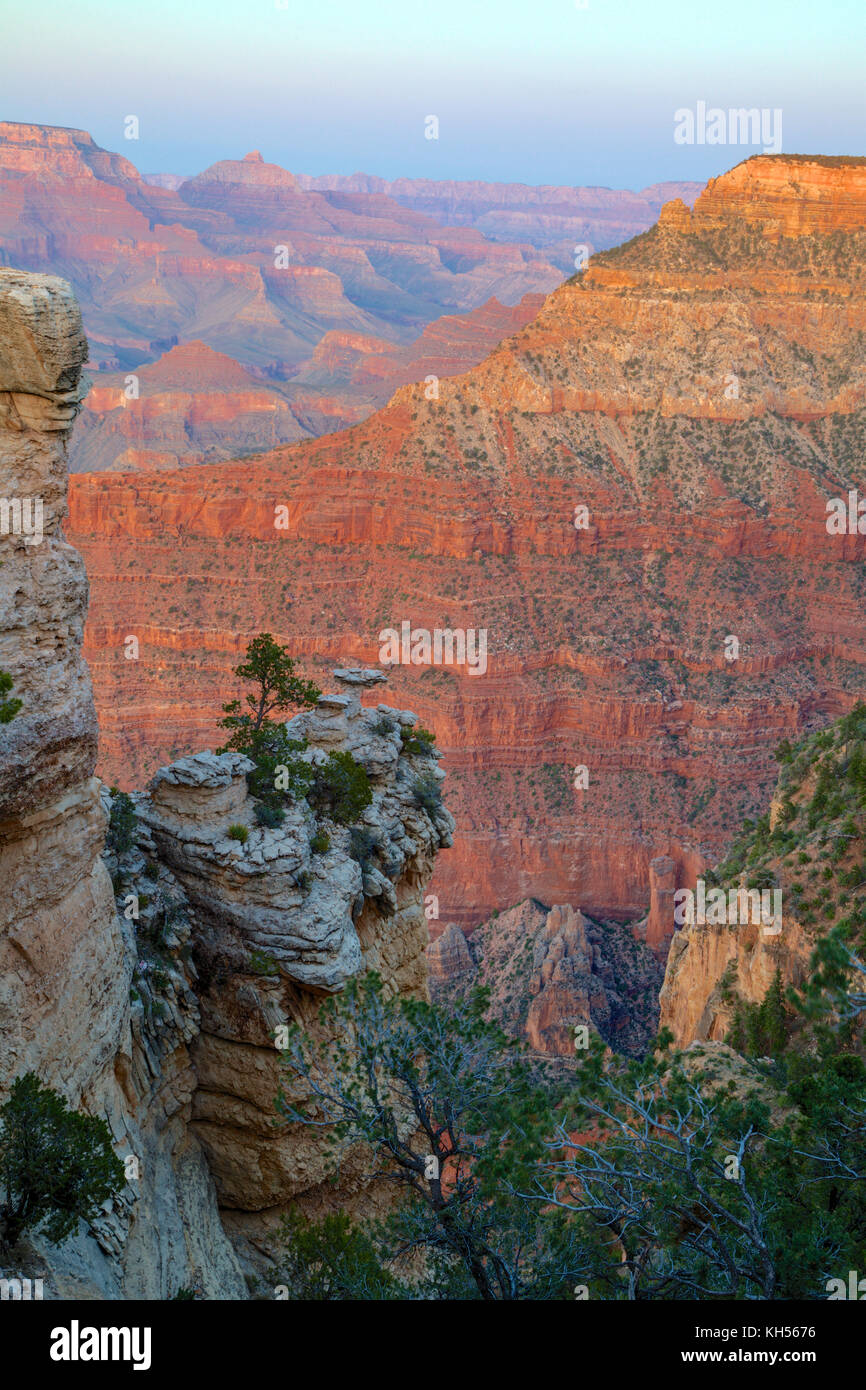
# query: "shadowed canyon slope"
[[700, 391]]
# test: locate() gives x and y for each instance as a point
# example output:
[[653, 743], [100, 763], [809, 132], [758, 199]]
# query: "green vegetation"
[[56, 1166], [121, 822], [760, 1029], [341, 788], [254, 733], [417, 741], [268, 815], [427, 792], [270, 669], [477, 1118], [8, 707], [239, 833], [260, 963]]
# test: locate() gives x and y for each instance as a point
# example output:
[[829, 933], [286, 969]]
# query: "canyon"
[[643, 542], [248, 307], [554, 219], [628, 494]]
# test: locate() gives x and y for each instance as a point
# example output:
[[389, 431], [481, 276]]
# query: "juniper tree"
[[271, 671], [255, 733], [57, 1165]]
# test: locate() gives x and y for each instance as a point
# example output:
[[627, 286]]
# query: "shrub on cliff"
[[332, 1261], [121, 822], [280, 772], [268, 815], [8, 708], [56, 1166], [341, 788], [253, 731], [427, 793], [417, 742]]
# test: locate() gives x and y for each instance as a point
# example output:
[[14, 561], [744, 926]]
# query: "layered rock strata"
[[629, 497], [282, 917], [66, 957]]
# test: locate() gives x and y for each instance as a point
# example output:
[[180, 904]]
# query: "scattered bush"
[[8, 708], [121, 822], [427, 793], [269, 815], [239, 833], [341, 788], [320, 843], [260, 963], [417, 742]]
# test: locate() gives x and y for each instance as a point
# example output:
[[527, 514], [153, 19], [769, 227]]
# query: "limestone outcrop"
[[284, 916]]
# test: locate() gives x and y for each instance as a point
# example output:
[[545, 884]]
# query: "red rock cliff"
[[691, 402]]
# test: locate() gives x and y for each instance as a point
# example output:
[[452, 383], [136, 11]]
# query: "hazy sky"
[[544, 91]]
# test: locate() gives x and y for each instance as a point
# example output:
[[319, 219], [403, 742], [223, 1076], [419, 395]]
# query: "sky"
[[543, 91]]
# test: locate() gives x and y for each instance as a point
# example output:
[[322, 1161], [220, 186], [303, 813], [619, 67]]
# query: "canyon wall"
[[555, 219], [143, 976], [248, 307], [66, 957], [806, 852], [550, 969], [628, 496]]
